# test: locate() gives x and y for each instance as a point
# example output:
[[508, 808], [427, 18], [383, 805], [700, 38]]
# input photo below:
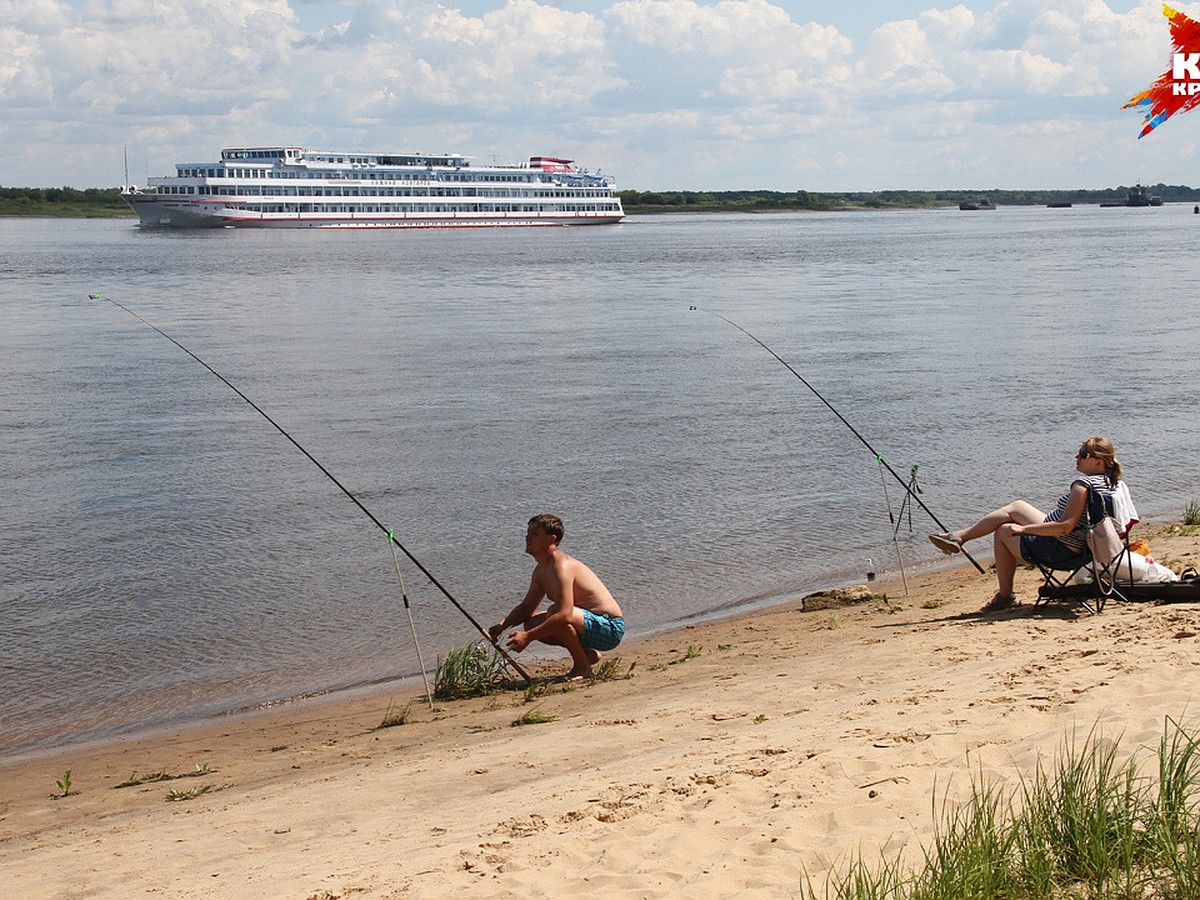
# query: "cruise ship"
[[290, 187]]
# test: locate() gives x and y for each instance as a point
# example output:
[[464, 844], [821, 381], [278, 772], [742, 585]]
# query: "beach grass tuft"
[[472, 670], [1191, 515], [395, 717], [537, 689], [610, 670], [64, 786], [135, 779], [1090, 824], [692, 652], [532, 717], [178, 796]]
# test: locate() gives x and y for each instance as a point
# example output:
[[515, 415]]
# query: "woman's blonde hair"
[[1101, 448]]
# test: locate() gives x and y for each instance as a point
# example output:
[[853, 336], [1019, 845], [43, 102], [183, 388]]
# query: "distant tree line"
[[708, 201], [67, 201], [753, 201], [64, 201]]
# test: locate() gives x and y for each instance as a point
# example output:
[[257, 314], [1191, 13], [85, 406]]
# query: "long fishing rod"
[[878, 456], [391, 537]]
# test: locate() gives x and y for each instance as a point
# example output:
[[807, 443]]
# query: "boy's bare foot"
[[578, 674]]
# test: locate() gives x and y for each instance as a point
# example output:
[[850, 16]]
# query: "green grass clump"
[[691, 653], [610, 670], [1089, 825], [135, 779], [394, 717], [64, 786], [1191, 515], [178, 796], [536, 689], [532, 717], [469, 671]]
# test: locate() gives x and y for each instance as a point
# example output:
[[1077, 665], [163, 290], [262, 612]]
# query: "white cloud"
[[664, 93], [730, 52], [523, 56]]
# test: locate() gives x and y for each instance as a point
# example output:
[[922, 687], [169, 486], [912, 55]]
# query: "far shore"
[[748, 756], [69, 202]]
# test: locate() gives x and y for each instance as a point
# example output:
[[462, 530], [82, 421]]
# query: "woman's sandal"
[[999, 602], [946, 542]]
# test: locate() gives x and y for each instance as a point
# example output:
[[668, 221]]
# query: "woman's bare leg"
[[1019, 512], [1008, 553]]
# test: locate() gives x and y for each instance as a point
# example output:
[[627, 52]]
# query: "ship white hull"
[[157, 212]]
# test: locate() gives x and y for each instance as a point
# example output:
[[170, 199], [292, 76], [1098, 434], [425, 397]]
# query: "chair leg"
[[1058, 589]]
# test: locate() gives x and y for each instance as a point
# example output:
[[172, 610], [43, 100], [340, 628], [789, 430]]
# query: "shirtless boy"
[[583, 617]]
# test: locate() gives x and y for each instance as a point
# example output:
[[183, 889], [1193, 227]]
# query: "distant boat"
[[1138, 196], [1059, 204], [985, 203]]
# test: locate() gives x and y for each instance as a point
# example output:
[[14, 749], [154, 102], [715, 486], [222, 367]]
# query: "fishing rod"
[[878, 456], [391, 537]]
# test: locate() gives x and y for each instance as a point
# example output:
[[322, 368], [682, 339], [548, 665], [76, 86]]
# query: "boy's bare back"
[[587, 590]]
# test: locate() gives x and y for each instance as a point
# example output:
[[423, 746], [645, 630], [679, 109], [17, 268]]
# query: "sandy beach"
[[738, 759]]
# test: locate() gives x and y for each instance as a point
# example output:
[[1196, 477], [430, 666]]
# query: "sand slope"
[[740, 756]]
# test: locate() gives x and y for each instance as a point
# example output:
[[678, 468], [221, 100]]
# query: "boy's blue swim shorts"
[[601, 631]]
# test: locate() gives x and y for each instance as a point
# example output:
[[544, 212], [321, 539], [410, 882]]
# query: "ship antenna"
[[387, 531], [909, 487]]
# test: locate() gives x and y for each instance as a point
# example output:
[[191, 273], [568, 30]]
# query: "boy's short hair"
[[549, 524]]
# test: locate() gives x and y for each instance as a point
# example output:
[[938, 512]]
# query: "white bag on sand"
[[1144, 572], [1141, 566], [1156, 573]]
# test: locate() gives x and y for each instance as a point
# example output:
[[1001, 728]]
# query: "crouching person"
[[582, 617]]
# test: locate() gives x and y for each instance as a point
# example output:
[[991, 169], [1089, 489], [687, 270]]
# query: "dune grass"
[[394, 717], [473, 670], [1191, 515], [1090, 824]]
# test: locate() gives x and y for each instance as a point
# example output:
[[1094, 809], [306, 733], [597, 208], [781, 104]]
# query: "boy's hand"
[[518, 641]]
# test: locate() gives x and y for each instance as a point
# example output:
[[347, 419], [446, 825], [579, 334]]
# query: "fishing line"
[[416, 562], [878, 456]]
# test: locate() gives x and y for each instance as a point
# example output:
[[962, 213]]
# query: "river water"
[[167, 555]]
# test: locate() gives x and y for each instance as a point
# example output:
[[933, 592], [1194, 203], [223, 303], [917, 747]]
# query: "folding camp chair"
[[1060, 578]]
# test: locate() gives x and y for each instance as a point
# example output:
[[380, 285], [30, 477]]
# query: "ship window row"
[[184, 172], [426, 208], [338, 175], [270, 191], [417, 175], [253, 154]]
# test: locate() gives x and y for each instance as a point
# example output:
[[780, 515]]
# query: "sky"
[[785, 95]]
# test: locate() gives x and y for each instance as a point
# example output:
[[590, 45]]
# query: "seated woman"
[[1022, 531]]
